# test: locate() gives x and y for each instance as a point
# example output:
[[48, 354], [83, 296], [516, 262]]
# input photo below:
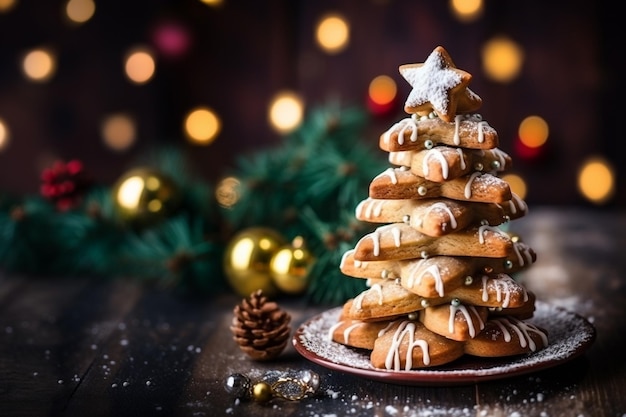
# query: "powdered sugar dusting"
[[431, 82], [569, 335]]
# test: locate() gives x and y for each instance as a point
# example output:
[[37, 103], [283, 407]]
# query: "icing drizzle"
[[416, 279], [466, 312], [482, 229], [405, 329], [522, 329], [358, 300], [446, 209], [468, 185], [440, 158], [402, 126], [504, 285]]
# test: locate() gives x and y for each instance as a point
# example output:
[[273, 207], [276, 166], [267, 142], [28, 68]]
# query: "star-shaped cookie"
[[439, 86]]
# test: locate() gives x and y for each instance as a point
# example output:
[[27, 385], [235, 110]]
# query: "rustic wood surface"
[[77, 347]]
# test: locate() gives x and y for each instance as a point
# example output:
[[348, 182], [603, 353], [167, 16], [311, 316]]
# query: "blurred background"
[[104, 82]]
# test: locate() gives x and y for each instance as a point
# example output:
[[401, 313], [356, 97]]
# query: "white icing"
[[481, 132], [348, 330], [402, 126], [482, 229], [501, 156], [385, 329], [502, 286], [389, 172], [446, 209], [397, 235], [331, 330], [442, 162], [358, 300], [468, 185], [373, 208], [523, 331], [375, 235], [433, 270], [405, 329], [344, 258], [457, 121], [466, 311], [523, 254], [461, 157]]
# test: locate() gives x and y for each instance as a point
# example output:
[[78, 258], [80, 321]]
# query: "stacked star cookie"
[[439, 266]]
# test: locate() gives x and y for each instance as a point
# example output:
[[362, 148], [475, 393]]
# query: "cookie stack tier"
[[439, 265]]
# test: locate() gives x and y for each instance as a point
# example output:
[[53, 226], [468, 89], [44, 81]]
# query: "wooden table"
[[78, 347]]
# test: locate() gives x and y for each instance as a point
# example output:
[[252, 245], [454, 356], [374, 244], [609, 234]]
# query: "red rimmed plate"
[[570, 336]]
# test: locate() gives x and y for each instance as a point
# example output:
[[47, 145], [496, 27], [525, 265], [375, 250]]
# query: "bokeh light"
[[202, 125], [286, 111], [467, 10], [139, 65], [333, 33], [118, 131], [502, 59], [39, 65], [80, 11], [214, 3], [227, 192], [130, 192], [6, 5], [533, 131], [517, 185], [382, 90], [596, 180], [172, 39], [4, 135]]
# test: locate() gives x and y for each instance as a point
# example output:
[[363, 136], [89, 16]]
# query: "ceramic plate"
[[570, 336]]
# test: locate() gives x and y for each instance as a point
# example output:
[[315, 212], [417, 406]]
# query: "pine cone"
[[260, 328]]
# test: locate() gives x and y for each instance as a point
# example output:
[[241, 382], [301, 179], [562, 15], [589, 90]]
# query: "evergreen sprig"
[[307, 186]]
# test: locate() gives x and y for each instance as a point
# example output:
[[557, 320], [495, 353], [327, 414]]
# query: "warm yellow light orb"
[[517, 185], [80, 11], [39, 65], [214, 3], [139, 66], [130, 192], [333, 33], [596, 180], [502, 59], [6, 5], [202, 126], [4, 135], [382, 90], [118, 132], [533, 131], [286, 112], [467, 10]]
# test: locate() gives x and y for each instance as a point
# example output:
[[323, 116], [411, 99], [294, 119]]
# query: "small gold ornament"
[[144, 196], [290, 267], [247, 260], [262, 392]]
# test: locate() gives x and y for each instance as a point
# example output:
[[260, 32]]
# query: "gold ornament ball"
[[262, 392], [247, 260], [144, 196], [290, 267]]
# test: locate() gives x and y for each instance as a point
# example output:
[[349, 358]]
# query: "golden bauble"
[[290, 267], [143, 196], [262, 392], [247, 260]]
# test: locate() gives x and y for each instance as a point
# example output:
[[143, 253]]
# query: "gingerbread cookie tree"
[[438, 267]]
